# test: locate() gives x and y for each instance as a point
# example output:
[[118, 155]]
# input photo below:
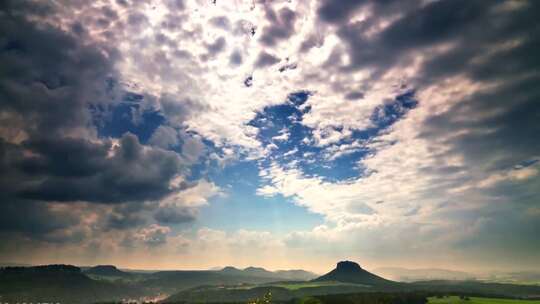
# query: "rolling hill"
[[175, 281], [57, 283], [107, 271]]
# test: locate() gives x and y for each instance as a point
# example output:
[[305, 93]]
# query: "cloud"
[[281, 26], [79, 76], [33, 218], [53, 152], [221, 22], [174, 216], [165, 137], [236, 58], [153, 235], [459, 144], [131, 173], [216, 47], [265, 59], [427, 106]]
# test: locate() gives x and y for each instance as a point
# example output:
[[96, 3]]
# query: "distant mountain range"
[[172, 281], [347, 278], [289, 275], [70, 284]]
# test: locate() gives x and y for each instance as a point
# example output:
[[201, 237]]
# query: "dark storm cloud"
[[38, 76], [126, 216], [282, 26], [127, 221], [493, 43], [49, 153], [132, 174], [14, 7], [66, 157], [32, 218], [501, 123], [476, 32], [340, 11], [170, 215], [498, 141], [130, 177], [420, 27]]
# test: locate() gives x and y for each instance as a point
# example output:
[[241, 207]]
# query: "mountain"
[[259, 272], [281, 275], [351, 272], [106, 271], [425, 274], [249, 271], [57, 283], [231, 270]]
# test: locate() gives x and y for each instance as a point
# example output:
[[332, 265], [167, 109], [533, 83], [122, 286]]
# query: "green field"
[[299, 285], [290, 285], [518, 282], [474, 300]]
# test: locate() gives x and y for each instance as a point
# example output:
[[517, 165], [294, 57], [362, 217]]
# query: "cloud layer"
[[408, 126]]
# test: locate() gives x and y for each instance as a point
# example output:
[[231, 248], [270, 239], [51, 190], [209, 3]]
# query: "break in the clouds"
[[390, 132]]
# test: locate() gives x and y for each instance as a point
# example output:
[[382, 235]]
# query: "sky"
[[191, 134]]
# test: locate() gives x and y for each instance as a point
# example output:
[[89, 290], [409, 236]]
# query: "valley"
[[347, 282]]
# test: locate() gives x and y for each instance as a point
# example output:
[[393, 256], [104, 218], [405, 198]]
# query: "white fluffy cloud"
[[209, 68]]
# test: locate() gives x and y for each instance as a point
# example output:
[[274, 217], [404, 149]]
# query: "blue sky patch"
[[126, 116], [291, 143]]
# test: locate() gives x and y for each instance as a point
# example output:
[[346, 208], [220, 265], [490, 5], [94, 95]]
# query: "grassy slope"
[[478, 288], [432, 300], [281, 291], [475, 300]]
